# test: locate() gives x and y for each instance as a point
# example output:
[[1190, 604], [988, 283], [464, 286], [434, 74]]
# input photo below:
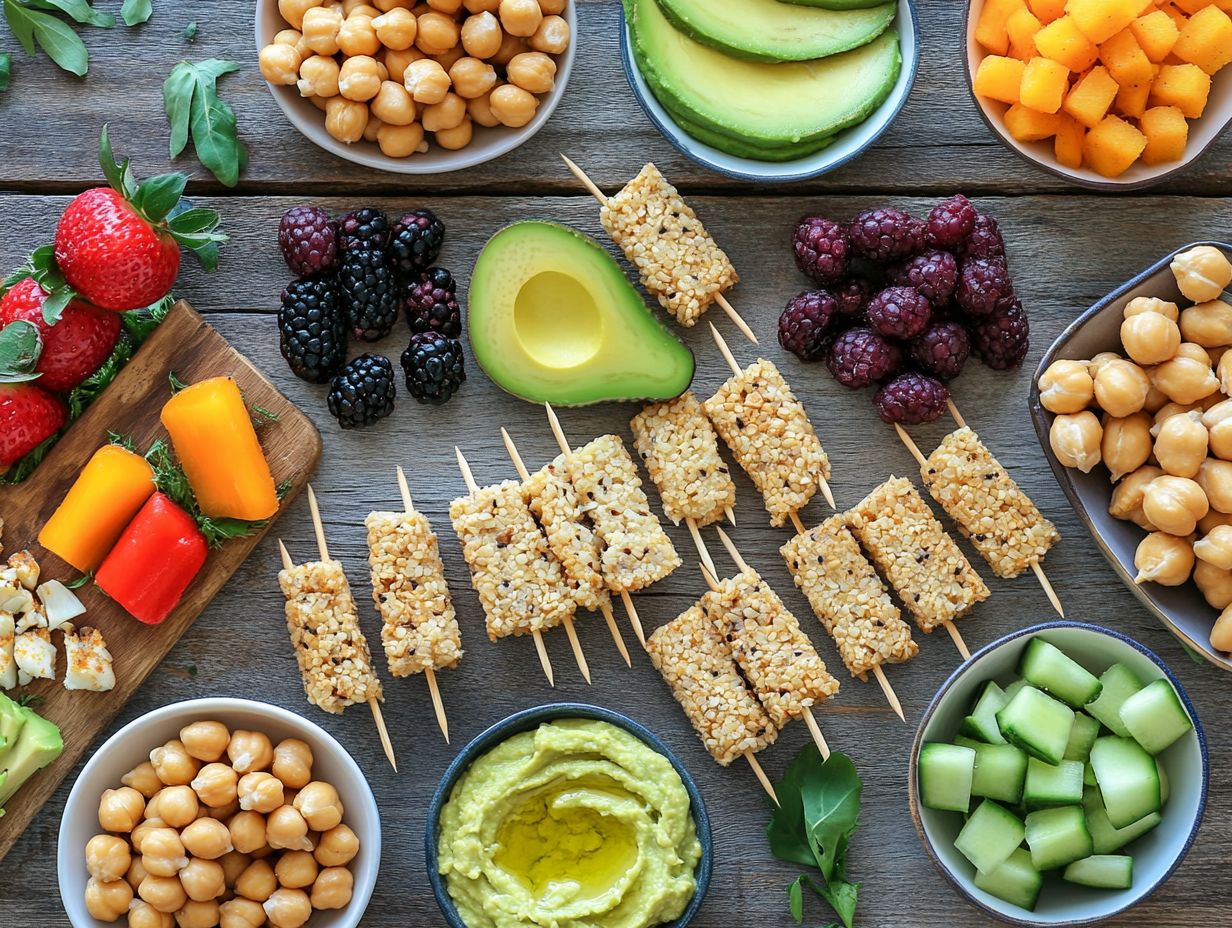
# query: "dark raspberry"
[[366, 229], [1003, 338], [363, 392], [309, 240], [853, 297], [984, 241], [885, 235], [911, 399], [434, 367], [942, 350], [982, 284], [933, 273], [431, 303], [899, 312], [415, 241], [804, 323], [951, 221], [820, 246], [860, 358], [312, 329], [369, 293]]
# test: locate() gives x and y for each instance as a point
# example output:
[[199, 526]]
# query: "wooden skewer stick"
[[570, 630], [736, 370], [634, 619], [702, 550], [730, 513], [434, 691], [718, 298], [761, 776], [797, 524], [955, 414], [472, 488], [373, 704]]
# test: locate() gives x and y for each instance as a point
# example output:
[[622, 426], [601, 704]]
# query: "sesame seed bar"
[[519, 582], [698, 666], [848, 597], [774, 654], [679, 263], [770, 435], [680, 449], [554, 503], [923, 564], [329, 645], [420, 629], [987, 505], [636, 550]]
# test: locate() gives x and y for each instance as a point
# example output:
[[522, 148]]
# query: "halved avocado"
[[552, 318], [769, 105], [767, 30]]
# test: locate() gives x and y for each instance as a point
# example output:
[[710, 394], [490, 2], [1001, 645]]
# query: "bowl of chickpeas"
[[417, 88], [219, 813], [1133, 408]]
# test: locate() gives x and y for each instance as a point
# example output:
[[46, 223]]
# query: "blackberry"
[[885, 235], [434, 367], [853, 297], [431, 303], [1003, 338], [942, 350], [911, 399], [309, 240], [934, 273], [820, 246], [982, 284], [363, 392], [899, 312], [369, 294], [312, 329], [364, 229], [951, 221], [984, 240], [804, 323], [860, 357], [415, 241]]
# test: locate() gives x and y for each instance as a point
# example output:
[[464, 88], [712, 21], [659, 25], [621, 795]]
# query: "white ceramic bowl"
[[133, 743], [488, 143], [849, 145], [1156, 854], [1202, 132]]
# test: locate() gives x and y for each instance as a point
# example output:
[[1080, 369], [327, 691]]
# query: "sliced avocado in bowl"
[[767, 30], [743, 148], [552, 318], [835, 4]]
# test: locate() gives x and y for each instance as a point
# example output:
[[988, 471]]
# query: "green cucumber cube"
[[981, 724], [1106, 838], [1081, 737], [1088, 775], [1048, 785], [1165, 785], [989, 836], [1016, 881], [1101, 871], [1119, 684], [1012, 690], [1128, 779], [945, 776], [1057, 837], [1037, 723], [1155, 717], [1050, 669], [1000, 772]]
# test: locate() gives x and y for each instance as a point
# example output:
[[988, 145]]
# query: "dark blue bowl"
[[528, 720]]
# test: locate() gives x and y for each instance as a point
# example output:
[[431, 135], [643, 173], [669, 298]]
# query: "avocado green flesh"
[[836, 4], [768, 30], [37, 746], [743, 148], [770, 105], [552, 318], [11, 722]]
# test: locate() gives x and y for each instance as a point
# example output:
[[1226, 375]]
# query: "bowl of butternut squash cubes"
[[1105, 93]]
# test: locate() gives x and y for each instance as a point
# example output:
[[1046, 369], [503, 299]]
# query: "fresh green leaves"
[[79, 10], [189, 32], [196, 112], [41, 265], [135, 12], [6, 70], [52, 35], [20, 347], [818, 813], [171, 480]]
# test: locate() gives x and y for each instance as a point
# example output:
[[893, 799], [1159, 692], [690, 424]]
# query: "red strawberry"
[[28, 416], [74, 347]]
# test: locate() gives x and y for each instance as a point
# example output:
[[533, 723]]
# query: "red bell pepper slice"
[[154, 561]]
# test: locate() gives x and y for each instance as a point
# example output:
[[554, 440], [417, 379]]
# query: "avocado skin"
[[11, 722], [743, 148], [38, 745]]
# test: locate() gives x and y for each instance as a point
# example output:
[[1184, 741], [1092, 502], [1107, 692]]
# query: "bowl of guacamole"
[[566, 816]]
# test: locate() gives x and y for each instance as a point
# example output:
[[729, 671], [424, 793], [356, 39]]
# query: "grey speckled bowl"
[[528, 720], [1181, 609]]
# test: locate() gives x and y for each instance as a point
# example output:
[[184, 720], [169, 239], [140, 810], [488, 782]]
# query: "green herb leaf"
[[141, 323], [189, 32], [88, 390], [80, 581], [194, 220], [159, 195], [20, 347], [6, 70], [29, 700], [832, 811], [190, 97], [119, 174], [79, 10], [21, 23], [795, 898], [135, 12], [60, 42], [178, 91], [176, 383], [170, 479], [842, 897]]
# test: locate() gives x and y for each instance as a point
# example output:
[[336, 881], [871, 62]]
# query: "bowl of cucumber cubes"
[[1059, 776]]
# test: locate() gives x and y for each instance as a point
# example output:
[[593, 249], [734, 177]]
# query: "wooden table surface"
[[1067, 248]]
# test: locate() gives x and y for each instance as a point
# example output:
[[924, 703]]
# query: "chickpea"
[[1169, 410], [1076, 440], [458, 137], [552, 36], [427, 81], [359, 8], [225, 813], [359, 80], [321, 28], [294, 38], [205, 740], [1126, 502], [447, 114], [1215, 478], [288, 908], [279, 64], [143, 915], [476, 7], [257, 882], [163, 893], [446, 6], [472, 78], [437, 33], [1164, 559], [143, 779], [397, 29], [260, 792], [203, 880], [396, 62], [296, 869], [293, 10], [195, 914], [175, 805], [250, 751], [510, 45], [136, 873], [1150, 338], [1121, 388], [208, 839], [552, 6], [247, 831], [162, 852], [1208, 324], [480, 111], [120, 809], [1182, 444], [1202, 273], [1220, 439], [1126, 443], [215, 785], [332, 889], [533, 71], [1215, 548], [1174, 504], [1150, 304], [1155, 400], [1066, 387], [345, 119], [1214, 584], [320, 806], [1221, 631], [393, 105], [358, 37], [293, 763], [482, 36], [372, 129], [448, 59], [401, 141], [241, 913], [1193, 351], [108, 858], [107, 901], [287, 829], [337, 847], [145, 828], [520, 17], [1185, 380]]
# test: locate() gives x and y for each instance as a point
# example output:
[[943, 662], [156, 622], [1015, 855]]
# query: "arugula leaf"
[[135, 12], [832, 810], [194, 109], [20, 347], [79, 10], [6, 69]]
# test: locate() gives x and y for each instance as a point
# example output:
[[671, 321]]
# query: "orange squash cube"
[[1028, 125], [1206, 40], [1068, 144], [1182, 85], [999, 78], [1167, 132], [1047, 10], [1156, 33], [1062, 41], [1131, 101], [1177, 17], [1022, 26], [1044, 84], [1125, 59], [1100, 20], [990, 29], [1192, 6], [1090, 99], [1112, 147]]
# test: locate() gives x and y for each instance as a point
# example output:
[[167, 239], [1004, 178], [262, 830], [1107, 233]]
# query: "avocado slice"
[[771, 105], [37, 746], [11, 722], [743, 148], [767, 30], [836, 4], [552, 318]]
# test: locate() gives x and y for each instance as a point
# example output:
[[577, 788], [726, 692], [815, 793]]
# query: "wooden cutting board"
[[184, 343]]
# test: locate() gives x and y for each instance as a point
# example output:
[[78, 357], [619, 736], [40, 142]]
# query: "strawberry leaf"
[[119, 175], [20, 347], [55, 304], [158, 196]]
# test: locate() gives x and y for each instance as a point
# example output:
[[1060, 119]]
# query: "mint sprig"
[[197, 113]]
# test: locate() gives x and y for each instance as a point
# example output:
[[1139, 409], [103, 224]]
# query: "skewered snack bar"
[[554, 503], [771, 437], [989, 508], [923, 564], [329, 645], [680, 449], [519, 582], [848, 597], [697, 664]]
